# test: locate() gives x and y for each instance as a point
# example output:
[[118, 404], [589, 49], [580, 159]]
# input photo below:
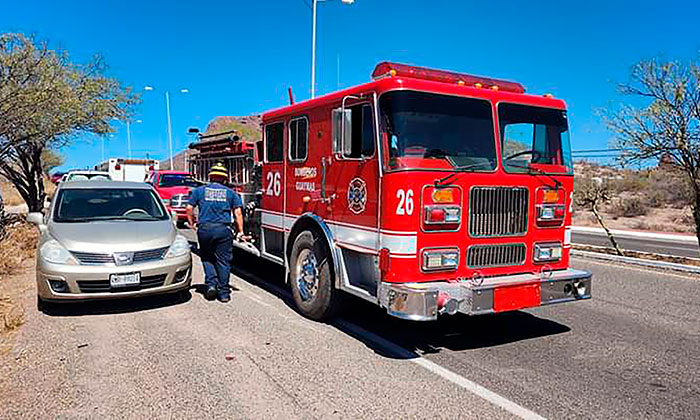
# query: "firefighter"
[[217, 204]]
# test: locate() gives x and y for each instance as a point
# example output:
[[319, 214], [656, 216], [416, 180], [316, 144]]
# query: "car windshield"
[[177, 180], [534, 139], [430, 131], [95, 204]]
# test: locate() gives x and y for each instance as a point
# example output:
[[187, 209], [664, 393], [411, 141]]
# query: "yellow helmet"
[[218, 170]]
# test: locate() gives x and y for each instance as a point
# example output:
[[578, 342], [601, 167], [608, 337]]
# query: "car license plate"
[[125, 280]]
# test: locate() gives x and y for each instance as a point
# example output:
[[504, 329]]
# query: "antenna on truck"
[[291, 96]]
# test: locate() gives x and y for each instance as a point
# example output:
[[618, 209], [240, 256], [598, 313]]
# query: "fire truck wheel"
[[311, 277]]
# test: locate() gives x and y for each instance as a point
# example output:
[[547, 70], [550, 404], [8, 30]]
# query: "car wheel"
[[311, 278]]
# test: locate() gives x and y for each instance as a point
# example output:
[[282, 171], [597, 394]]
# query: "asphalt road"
[[630, 352], [632, 243]]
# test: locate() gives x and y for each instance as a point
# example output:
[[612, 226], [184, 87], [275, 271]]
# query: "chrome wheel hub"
[[307, 275]]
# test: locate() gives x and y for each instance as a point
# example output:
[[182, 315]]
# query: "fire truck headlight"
[[549, 212], [547, 252], [452, 214], [440, 259]]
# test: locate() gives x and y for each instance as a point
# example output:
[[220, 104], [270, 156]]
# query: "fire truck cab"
[[424, 191]]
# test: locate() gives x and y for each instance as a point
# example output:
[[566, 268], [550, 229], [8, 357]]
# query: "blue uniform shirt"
[[215, 202]]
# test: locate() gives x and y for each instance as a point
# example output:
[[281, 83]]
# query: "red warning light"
[[386, 68]]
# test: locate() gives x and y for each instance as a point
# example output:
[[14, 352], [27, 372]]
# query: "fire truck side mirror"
[[342, 131]]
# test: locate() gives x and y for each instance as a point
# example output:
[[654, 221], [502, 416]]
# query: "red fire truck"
[[424, 191]]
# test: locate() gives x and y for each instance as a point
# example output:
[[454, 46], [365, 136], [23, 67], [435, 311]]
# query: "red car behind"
[[174, 189]]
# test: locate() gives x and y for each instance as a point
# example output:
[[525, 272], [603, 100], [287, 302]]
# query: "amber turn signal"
[[550, 196], [443, 196]]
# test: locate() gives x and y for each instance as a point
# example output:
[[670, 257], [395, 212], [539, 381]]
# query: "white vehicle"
[[135, 170], [73, 176]]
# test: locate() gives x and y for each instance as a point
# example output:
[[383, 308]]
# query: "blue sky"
[[239, 57]]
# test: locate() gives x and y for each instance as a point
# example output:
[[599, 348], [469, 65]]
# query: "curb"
[[638, 261]]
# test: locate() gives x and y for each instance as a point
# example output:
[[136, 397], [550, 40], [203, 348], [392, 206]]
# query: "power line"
[[604, 150]]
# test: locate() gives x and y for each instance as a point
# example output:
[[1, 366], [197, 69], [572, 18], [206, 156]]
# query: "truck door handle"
[[324, 198]]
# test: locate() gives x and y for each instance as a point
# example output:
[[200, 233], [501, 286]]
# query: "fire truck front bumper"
[[425, 301]]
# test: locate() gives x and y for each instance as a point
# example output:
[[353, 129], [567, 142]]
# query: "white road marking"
[[461, 381], [444, 373]]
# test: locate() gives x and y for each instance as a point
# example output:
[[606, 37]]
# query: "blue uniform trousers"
[[216, 252]]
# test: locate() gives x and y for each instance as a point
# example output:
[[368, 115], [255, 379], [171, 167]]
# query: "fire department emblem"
[[357, 195]]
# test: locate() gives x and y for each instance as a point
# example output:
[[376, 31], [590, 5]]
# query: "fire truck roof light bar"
[[389, 69]]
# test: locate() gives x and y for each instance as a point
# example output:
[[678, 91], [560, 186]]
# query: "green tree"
[[45, 101], [662, 120]]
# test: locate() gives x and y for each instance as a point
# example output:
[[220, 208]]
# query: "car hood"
[[166, 193], [114, 236]]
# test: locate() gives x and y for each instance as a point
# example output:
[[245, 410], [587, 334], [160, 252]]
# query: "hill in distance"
[[248, 127]]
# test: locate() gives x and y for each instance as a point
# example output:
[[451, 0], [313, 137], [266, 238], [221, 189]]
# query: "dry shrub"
[[9, 194], [629, 207], [641, 225], [11, 315], [17, 246]]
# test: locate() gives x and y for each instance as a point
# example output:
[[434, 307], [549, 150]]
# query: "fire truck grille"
[[481, 256], [498, 211]]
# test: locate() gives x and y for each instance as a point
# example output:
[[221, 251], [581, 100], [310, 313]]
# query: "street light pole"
[[313, 49], [128, 140], [170, 129], [313, 43]]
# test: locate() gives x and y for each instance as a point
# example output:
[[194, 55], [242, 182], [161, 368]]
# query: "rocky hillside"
[[249, 127], [656, 199]]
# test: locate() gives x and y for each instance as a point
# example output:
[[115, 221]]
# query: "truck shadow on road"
[[400, 339], [454, 333]]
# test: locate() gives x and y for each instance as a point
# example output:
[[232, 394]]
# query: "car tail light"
[[440, 259], [550, 208], [547, 252]]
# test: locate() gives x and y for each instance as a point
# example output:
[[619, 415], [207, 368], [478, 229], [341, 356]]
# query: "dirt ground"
[[658, 220], [10, 194], [16, 292]]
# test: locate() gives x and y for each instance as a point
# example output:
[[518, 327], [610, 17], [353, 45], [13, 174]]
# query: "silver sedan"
[[108, 239]]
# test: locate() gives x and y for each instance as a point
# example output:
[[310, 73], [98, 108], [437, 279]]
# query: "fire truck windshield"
[[534, 139], [431, 131]]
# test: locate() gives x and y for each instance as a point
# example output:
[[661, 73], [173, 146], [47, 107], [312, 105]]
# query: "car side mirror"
[[173, 216], [36, 219]]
